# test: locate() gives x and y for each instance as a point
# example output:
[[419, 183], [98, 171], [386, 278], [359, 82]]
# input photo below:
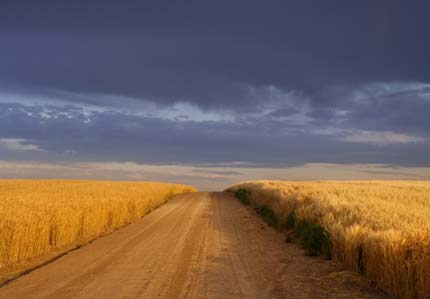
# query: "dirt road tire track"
[[198, 245]]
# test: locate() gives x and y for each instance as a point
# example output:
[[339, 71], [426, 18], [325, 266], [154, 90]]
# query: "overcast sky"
[[207, 92]]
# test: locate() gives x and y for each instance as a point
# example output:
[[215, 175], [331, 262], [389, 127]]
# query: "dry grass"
[[381, 229], [41, 216]]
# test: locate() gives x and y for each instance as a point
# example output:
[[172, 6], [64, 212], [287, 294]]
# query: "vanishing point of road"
[[198, 245]]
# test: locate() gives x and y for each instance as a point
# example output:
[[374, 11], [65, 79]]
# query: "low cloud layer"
[[280, 128]]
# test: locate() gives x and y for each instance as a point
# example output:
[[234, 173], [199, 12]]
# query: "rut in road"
[[198, 245]]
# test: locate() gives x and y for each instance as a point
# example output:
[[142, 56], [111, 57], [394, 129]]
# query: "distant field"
[[380, 229], [41, 216]]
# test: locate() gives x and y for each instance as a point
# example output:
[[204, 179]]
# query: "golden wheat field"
[[41, 216], [378, 228]]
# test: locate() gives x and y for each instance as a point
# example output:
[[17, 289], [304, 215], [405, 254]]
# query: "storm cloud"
[[273, 84]]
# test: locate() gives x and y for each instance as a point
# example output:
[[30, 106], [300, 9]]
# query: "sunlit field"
[[380, 229], [41, 216]]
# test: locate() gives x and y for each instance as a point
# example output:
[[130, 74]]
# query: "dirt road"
[[200, 245]]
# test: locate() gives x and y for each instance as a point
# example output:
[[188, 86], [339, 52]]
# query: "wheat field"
[[378, 228], [41, 216]]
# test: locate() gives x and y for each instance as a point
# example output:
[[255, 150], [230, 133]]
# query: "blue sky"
[[215, 92]]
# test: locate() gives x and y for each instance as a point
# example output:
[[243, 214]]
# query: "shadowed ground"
[[199, 245]]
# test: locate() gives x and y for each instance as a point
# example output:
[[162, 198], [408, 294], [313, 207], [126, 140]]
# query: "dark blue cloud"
[[275, 83], [200, 51]]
